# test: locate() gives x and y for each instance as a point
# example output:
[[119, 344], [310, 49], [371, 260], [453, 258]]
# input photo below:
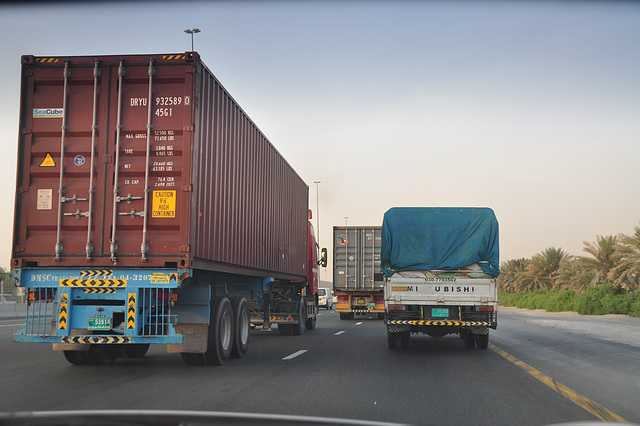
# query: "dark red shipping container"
[[147, 161]]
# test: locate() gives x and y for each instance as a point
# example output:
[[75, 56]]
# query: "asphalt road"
[[540, 369]]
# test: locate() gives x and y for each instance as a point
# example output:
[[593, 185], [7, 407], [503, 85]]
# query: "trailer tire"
[[103, 354], [482, 341], [298, 329], [221, 333], [76, 357], [242, 322], [136, 350], [189, 358]]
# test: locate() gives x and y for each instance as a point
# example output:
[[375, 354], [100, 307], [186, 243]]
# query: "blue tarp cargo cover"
[[430, 238]]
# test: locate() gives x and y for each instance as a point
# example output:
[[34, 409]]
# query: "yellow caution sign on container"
[[164, 204]]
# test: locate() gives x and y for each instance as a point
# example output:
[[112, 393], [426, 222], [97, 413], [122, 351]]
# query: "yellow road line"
[[584, 402]]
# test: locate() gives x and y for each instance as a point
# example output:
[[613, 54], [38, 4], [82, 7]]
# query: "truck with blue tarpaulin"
[[441, 266]]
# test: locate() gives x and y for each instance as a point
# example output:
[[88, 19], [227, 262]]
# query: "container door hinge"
[[189, 128], [184, 249], [187, 188], [22, 189]]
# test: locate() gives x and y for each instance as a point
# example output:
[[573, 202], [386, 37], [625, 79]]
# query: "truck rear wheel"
[[242, 323], [221, 328], [393, 339], [102, 354], [136, 350], [482, 340], [76, 357], [469, 340], [192, 358], [405, 337], [298, 329]]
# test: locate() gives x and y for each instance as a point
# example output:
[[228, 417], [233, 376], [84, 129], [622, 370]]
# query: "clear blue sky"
[[530, 108]]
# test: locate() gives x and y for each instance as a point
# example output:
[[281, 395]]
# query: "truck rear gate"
[[357, 279], [144, 194]]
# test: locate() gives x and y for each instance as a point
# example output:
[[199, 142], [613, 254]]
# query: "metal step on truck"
[[441, 267], [357, 278], [150, 209]]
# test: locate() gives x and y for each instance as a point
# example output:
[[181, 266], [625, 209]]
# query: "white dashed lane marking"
[[293, 355]]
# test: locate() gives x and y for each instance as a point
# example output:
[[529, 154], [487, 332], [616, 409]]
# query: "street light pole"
[[192, 31], [317, 182]]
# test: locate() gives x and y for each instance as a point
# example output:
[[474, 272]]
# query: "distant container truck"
[[151, 209], [441, 267], [357, 279]]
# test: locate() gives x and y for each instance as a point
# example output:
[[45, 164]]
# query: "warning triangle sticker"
[[48, 161]]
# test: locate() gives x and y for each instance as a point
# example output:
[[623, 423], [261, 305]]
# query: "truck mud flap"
[[283, 319]]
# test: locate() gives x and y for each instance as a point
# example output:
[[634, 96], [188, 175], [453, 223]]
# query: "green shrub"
[[600, 300]]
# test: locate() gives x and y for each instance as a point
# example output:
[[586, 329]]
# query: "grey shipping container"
[[356, 258]]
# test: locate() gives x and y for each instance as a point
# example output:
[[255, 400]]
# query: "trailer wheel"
[[298, 329], [220, 332], [469, 340], [192, 358], [242, 323], [482, 340], [103, 354], [76, 357], [136, 350]]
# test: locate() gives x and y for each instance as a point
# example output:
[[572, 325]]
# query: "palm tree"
[[597, 269], [627, 271], [513, 275], [544, 268]]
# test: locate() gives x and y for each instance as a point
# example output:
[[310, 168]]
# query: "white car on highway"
[[325, 298]]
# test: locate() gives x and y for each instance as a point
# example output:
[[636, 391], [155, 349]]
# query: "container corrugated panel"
[[147, 161], [356, 258]]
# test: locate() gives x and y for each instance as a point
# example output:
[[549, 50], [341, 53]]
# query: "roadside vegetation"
[[605, 281]]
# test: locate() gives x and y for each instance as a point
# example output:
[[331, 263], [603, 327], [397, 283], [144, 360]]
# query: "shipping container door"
[[100, 143], [357, 258], [147, 198]]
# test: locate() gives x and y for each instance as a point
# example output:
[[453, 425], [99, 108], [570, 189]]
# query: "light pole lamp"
[[192, 31], [317, 182]]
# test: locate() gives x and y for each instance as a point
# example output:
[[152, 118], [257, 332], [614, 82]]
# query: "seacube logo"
[[48, 112]]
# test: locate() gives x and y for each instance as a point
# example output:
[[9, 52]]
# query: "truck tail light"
[[485, 308], [41, 294], [396, 307], [166, 295]]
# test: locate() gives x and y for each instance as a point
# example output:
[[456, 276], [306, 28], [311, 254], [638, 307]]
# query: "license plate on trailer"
[[361, 301], [99, 324], [439, 312]]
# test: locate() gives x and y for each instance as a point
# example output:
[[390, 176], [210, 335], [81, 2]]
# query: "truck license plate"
[[99, 323], [361, 301], [439, 312]]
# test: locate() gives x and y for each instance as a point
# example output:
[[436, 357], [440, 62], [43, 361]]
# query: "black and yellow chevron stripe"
[[173, 57], [103, 290], [96, 273], [46, 60], [131, 312], [95, 339], [440, 323], [64, 305], [100, 282]]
